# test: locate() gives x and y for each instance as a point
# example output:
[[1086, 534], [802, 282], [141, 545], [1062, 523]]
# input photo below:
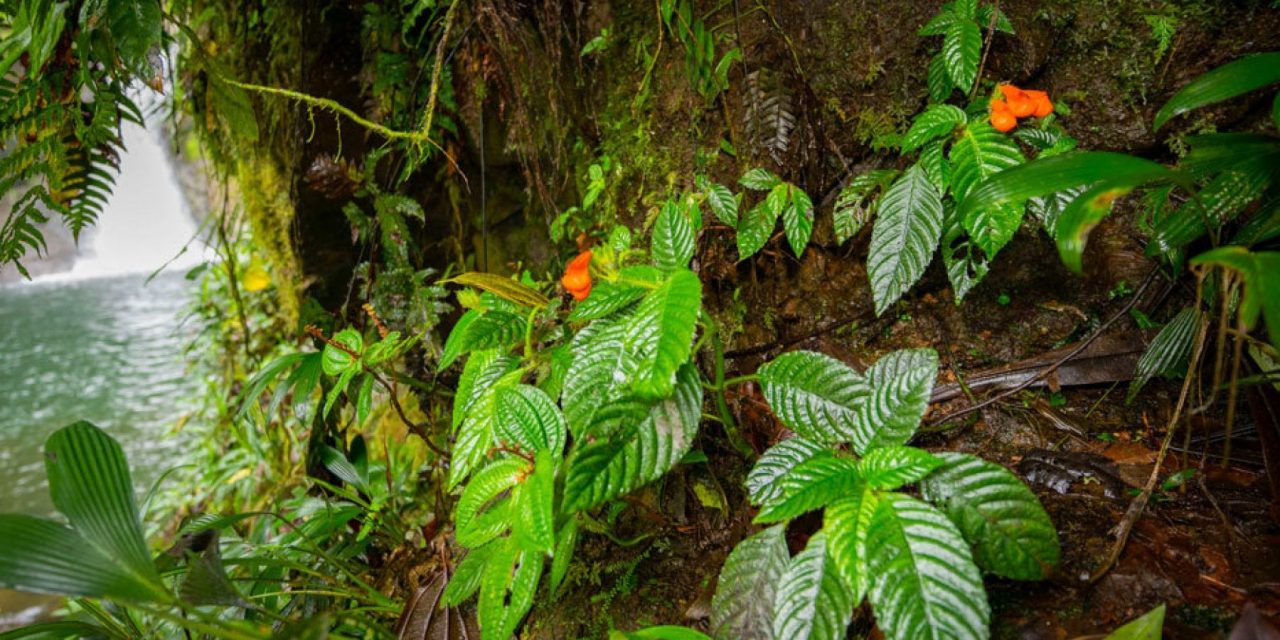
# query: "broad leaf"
[[1169, 351], [940, 85], [90, 484], [1148, 626], [760, 179], [966, 264], [723, 204], [797, 219], [924, 583], [600, 372], [854, 207], [664, 632], [530, 419], [534, 527], [656, 441], [900, 386], [935, 122], [343, 353], [893, 466], [661, 332], [907, 229], [506, 590], [1223, 83], [961, 49], [465, 580], [1227, 195], [845, 524], [503, 287], [566, 542], [1011, 534], [43, 556], [672, 246], [476, 433], [757, 225], [483, 512], [606, 298], [814, 394], [812, 485], [742, 608], [1080, 217], [1261, 273], [813, 601], [978, 154], [764, 482]]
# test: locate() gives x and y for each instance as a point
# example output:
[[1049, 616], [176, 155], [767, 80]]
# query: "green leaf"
[[465, 580], [661, 332], [907, 229], [482, 513], [966, 264], [893, 466], [939, 80], [338, 359], [90, 484], [742, 608], [937, 121], [1002, 21], [854, 207], [813, 601], [760, 179], [1169, 351], [1211, 153], [846, 523], [935, 165], [814, 394], [811, 485], [764, 482], [961, 49], [664, 632], [566, 541], [978, 154], [605, 298], [1011, 534], [924, 583], [1080, 217], [797, 219], [43, 556], [482, 370], [672, 246], [503, 287], [1148, 626], [656, 440], [534, 528], [529, 418], [506, 590], [937, 25], [1227, 195], [1223, 83], [135, 26], [58, 628], [757, 225], [492, 329], [723, 204], [476, 433], [900, 386], [1261, 273], [600, 372]]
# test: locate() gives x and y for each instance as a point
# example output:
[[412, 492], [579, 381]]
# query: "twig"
[[1047, 371], [991, 35], [1134, 512]]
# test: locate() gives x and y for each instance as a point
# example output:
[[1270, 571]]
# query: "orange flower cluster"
[[1018, 103], [577, 276]]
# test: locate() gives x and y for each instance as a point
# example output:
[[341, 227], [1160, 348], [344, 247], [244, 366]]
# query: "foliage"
[[918, 563], [960, 23]]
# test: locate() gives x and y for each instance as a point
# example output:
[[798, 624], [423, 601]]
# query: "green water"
[[106, 350]]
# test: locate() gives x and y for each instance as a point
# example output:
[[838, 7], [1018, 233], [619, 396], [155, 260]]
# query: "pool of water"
[[107, 350]]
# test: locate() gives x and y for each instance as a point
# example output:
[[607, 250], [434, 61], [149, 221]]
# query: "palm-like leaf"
[[1223, 83], [1168, 353]]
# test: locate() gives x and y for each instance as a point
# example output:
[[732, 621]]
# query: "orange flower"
[[1002, 120], [1020, 103], [1040, 99], [577, 276]]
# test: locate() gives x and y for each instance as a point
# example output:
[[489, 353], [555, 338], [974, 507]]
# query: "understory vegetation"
[[624, 320]]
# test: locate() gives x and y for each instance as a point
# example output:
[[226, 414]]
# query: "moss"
[[269, 209]]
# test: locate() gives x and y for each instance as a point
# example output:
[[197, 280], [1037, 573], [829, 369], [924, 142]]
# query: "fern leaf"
[[742, 608], [900, 386], [672, 245], [893, 466], [811, 485], [814, 394], [924, 583], [813, 602], [661, 332], [1011, 534], [527, 417], [935, 122], [764, 482], [1169, 351], [907, 229], [606, 469], [979, 153]]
